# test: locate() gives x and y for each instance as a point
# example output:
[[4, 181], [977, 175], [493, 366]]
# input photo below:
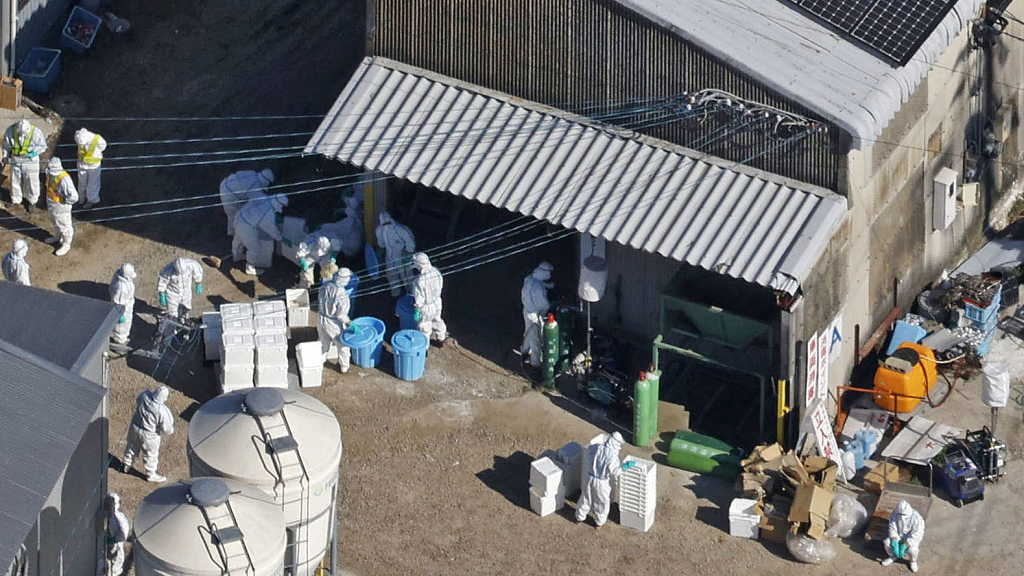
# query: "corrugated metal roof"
[[779, 45], [627, 188], [44, 411], [52, 325]]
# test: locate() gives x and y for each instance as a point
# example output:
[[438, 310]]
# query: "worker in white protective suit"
[[61, 195], [317, 249], [241, 187], [117, 531], [535, 305], [426, 293], [397, 242], [255, 224], [90, 165], [349, 230], [174, 286], [16, 269], [122, 294], [597, 488], [22, 145], [906, 531], [332, 318], [152, 418]]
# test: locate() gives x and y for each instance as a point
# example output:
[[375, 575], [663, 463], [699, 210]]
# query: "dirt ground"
[[435, 472]]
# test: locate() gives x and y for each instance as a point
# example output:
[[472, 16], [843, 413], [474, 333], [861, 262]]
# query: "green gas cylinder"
[[654, 381], [642, 431], [551, 351], [566, 319]]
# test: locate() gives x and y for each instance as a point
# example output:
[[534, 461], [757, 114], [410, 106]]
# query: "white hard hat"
[[279, 201], [54, 167], [83, 136], [19, 247], [128, 270], [267, 174]]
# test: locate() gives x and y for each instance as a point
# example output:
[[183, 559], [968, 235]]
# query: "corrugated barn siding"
[[593, 57], [632, 296], [35, 18]]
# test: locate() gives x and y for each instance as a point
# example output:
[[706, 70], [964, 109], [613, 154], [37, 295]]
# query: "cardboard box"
[[794, 471], [763, 454], [774, 528], [754, 486], [10, 93], [877, 477], [811, 505]]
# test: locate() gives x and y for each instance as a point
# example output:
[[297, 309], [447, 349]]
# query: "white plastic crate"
[[268, 308], [297, 305], [638, 486], [272, 376], [743, 521], [271, 349], [641, 522], [237, 349], [276, 324], [546, 505], [236, 378], [237, 326], [235, 310], [545, 476], [310, 362]]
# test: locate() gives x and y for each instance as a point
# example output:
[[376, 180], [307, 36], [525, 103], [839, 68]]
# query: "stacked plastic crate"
[[547, 493], [985, 320], [238, 347], [638, 493], [270, 326], [212, 333]]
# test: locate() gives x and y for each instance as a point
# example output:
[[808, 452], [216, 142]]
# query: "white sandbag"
[[846, 518], [810, 551], [995, 384]]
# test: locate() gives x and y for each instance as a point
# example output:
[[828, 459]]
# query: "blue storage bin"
[[404, 309], [982, 349], [983, 315], [410, 347], [80, 30], [40, 70]]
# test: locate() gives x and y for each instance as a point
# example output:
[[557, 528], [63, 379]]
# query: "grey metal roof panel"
[[546, 163], [53, 325], [44, 413], [777, 44]]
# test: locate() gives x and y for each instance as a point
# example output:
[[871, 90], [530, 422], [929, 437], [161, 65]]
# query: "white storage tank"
[[285, 443], [209, 526]]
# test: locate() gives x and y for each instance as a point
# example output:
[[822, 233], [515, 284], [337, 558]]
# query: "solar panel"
[[895, 28]]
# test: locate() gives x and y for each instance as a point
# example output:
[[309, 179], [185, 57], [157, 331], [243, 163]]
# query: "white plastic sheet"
[[995, 389]]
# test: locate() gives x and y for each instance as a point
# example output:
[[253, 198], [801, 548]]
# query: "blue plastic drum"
[[410, 348], [404, 309], [365, 336]]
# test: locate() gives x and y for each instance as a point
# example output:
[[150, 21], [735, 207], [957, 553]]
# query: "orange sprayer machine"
[[905, 377]]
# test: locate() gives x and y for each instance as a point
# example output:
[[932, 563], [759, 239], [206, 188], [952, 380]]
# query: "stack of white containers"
[[270, 326], [638, 487], [310, 362], [238, 347], [211, 336], [569, 458], [547, 493]]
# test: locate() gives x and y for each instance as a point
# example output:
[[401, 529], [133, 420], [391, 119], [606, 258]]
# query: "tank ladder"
[[226, 535], [285, 456]]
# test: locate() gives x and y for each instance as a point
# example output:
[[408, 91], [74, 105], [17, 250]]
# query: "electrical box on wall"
[[969, 193], [943, 199]]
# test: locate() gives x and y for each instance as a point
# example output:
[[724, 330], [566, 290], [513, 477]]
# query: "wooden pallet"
[[919, 497]]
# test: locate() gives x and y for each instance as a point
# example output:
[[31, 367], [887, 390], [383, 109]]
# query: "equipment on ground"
[[959, 477], [905, 378], [986, 451]]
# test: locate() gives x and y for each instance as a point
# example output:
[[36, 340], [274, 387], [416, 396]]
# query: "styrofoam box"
[[310, 361], [237, 349], [236, 310], [236, 378], [271, 349], [297, 303], [272, 376], [268, 308], [743, 521], [641, 522], [274, 324], [545, 505], [545, 476], [237, 326]]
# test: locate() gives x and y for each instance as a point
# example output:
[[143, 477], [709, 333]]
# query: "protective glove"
[[417, 315], [111, 541], [163, 298], [122, 319], [305, 264], [32, 154], [406, 258], [199, 289], [286, 242], [334, 260], [629, 465]]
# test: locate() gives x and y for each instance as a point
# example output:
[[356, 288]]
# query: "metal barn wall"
[[632, 297], [35, 18], [593, 57]]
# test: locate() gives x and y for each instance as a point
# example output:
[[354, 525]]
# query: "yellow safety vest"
[[85, 154], [51, 188], [23, 143]]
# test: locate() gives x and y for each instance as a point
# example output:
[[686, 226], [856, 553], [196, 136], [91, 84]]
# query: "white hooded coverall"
[[317, 248], [907, 527], [22, 144], [426, 294], [151, 419], [397, 241], [90, 158], [535, 305], [348, 230], [256, 223], [16, 269], [597, 488], [60, 196], [332, 317], [241, 187], [176, 280], [118, 529], [122, 294]]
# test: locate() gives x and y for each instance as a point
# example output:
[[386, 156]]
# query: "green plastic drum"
[[704, 454]]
